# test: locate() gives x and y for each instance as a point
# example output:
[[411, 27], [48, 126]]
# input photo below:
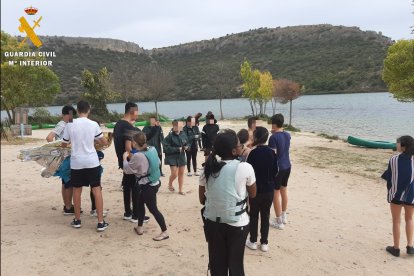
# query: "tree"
[[398, 71], [287, 91], [24, 85], [265, 90], [98, 90], [223, 83], [158, 81], [251, 84]]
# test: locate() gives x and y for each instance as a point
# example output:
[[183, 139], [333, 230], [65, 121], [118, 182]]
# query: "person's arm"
[[99, 137], [128, 145], [66, 136], [251, 190], [50, 137], [202, 194], [133, 166]]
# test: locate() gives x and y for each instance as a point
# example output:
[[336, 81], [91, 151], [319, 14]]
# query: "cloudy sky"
[[160, 23]]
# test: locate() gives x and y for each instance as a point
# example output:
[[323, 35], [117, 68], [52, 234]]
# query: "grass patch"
[[20, 141], [327, 136], [365, 164]]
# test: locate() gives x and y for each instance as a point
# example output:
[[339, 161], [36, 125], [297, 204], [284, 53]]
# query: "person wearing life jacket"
[[225, 186], [175, 145], [144, 164]]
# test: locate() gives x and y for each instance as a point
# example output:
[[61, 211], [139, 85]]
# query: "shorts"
[[67, 185], [86, 177], [399, 202], [176, 160], [282, 178], [207, 151]]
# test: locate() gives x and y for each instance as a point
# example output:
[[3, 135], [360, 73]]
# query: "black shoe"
[[102, 226], [68, 212], [410, 250], [76, 223], [146, 219], [393, 251]]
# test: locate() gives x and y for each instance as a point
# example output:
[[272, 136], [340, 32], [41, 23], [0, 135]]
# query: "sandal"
[[171, 188], [181, 193], [161, 237], [138, 230]]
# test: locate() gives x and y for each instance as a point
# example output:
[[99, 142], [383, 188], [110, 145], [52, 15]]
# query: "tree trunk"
[[9, 115], [156, 110], [221, 110], [290, 115], [251, 105]]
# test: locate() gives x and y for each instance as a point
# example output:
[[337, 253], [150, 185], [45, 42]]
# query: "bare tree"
[[158, 81], [286, 91], [224, 86]]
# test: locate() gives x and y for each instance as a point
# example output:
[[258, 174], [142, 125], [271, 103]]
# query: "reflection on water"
[[369, 115]]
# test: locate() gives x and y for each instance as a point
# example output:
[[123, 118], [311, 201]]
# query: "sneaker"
[[189, 174], [76, 223], [93, 213], [146, 219], [275, 224], [264, 247], [127, 216], [284, 218], [251, 245], [68, 212], [102, 226], [410, 250], [134, 220], [393, 251], [197, 174]]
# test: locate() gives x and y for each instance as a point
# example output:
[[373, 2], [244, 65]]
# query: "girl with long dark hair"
[[225, 185]]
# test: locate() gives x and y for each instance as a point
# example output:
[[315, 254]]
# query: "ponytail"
[[212, 166]]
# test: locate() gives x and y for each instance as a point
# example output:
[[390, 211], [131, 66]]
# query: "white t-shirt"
[[244, 177], [82, 134], [59, 129]]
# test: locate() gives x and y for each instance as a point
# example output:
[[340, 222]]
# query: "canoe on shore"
[[371, 144]]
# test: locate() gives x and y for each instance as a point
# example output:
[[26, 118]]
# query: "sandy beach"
[[339, 220]]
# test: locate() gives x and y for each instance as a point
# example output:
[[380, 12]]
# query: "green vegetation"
[[24, 85], [320, 57], [328, 136], [399, 70]]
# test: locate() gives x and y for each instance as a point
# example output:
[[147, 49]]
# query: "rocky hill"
[[324, 58]]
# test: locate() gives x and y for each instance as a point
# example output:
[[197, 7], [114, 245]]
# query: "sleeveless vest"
[[223, 204], [153, 173]]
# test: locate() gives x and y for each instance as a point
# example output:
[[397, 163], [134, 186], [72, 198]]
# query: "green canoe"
[[141, 123], [43, 126], [371, 144]]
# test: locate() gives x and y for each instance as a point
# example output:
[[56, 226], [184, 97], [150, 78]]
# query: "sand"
[[339, 221]]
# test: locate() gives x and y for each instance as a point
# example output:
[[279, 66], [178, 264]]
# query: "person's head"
[[251, 123], [190, 121], [131, 111], [83, 107], [243, 136], [405, 144], [68, 112], [139, 140], [210, 119], [260, 136], [278, 120], [227, 146], [177, 126], [153, 121]]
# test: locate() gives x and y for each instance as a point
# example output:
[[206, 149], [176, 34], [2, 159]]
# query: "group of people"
[[243, 175]]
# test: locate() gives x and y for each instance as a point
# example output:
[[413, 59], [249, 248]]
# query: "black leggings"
[[148, 195], [260, 204], [192, 155], [128, 182], [226, 248], [160, 157]]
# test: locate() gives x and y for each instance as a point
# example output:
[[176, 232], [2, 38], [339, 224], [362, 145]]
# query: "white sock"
[[278, 220], [283, 213]]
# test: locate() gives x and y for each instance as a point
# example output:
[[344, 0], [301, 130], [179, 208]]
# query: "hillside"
[[322, 57]]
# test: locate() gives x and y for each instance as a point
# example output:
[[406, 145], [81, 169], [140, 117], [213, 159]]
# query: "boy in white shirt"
[[84, 163]]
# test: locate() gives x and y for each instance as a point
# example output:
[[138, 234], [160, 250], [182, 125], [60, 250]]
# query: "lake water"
[[366, 115]]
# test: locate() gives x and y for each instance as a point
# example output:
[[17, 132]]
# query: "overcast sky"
[[158, 23]]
